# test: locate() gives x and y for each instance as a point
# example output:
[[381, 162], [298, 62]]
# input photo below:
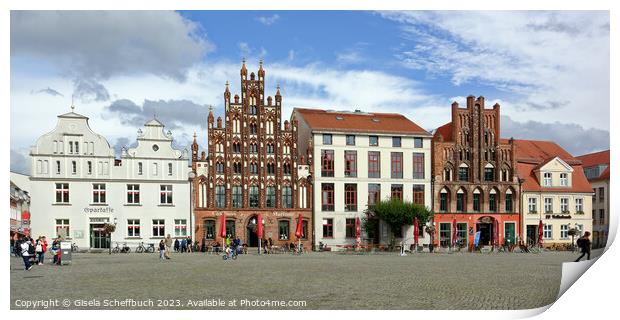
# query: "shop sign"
[[98, 210], [558, 216]]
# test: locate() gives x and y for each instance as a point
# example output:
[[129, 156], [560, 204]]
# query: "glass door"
[[509, 233], [98, 237]]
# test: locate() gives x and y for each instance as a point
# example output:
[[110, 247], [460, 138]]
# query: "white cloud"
[[349, 57], [268, 20], [554, 64]]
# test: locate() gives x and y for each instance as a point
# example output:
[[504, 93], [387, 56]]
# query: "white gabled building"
[[358, 158], [77, 186]]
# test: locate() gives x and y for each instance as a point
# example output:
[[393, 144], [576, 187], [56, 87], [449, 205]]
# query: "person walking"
[[162, 249], [584, 243], [177, 245], [183, 245], [189, 244], [227, 241], [168, 244], [39, 251], [56, 250], [25, 247]]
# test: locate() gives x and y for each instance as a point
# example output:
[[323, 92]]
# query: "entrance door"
[[252, 235], [486, 233], [99, 239], [509, 232], [532, 233]]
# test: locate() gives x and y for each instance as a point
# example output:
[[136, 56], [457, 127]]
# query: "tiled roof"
[[392, 123], [445, 131], [597, 158], [532, 154]]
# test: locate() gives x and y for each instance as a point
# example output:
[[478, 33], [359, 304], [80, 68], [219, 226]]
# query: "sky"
[[549, 70]]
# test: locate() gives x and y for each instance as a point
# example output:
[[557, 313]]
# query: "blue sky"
[[121, 67]]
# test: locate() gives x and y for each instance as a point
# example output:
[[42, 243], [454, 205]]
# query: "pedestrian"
[[189, 244], [270, 243], [227, 241], [177, 245], [39, 251], [162, 249], [25, 247], [265, 245], [168, 244], [183, 245], [584, 243], [56, 250]]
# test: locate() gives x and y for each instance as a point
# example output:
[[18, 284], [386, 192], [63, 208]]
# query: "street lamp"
[[110, 236], [190, 177]]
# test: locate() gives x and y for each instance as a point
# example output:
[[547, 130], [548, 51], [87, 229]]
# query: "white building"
[[597, 170], [359, 158], [77, 186]]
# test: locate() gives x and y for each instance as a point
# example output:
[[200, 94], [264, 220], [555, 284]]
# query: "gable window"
[[564, 179], [219, 168], [327, 139], [286, 169], [253, 168], [350, 197], [374, 164], [547, 179], [489, 174], [327, 163], [350, 163], [373, 141], [271, 169], [397, 165], [99, 193], [327, 196], [236, 147], [237, 167]]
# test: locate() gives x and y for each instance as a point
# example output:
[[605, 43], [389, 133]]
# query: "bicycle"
[[232, 255], [142, 249]]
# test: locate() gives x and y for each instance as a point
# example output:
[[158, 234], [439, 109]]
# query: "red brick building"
[[252, 167], [475, 179]]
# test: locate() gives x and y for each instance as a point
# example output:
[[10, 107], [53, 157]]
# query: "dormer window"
[[564, 179], [547, 179]]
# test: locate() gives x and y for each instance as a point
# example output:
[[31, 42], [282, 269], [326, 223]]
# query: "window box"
[[133, 204], [565, 212], [579, 212], [165, 205], [533, 211]]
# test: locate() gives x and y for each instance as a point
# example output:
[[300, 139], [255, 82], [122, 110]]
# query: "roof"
[[72, 115], [154, 122], [597, 158], [357, 121], [445, 131], [532, 154]]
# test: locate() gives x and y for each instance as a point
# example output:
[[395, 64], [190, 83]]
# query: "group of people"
[[185, 245], [33, 251]]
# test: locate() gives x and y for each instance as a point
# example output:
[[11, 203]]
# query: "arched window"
[[444, 200], [253, 128], [489, 172], [493, 195], [219, 168], [463, 172], [236, 147], [461, 200], [477, 200], [271, 169], [447, 174], [508, 201], [237, 167], [286, 168]]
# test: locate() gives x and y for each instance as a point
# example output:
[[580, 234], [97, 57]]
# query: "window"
[[547, 231], [601, 194], [180, 227], [70, 147], [236, 147], [327, 139], [508, 202], [77, 147], [476, 201], [219, 167], [350, 228], [397, 192], [564, 231], [237, 197], [396, 142], [159, 228], [350, 140], [328, 228], [271, 197], [464, 174], [489, 174], [564, 205], [397, 165], [287, 197], [350, 197], [209, 229], [579, 205], [350, 163], [443, 201], [270, 148], [62, 228], [253, 148], [253, 168], [327, 196], [445, 233], [283, 229], [601, 215], [548, 205], [547, 179], [460, 201], [461, 232], [133, 228], [418, 194], [271, 169], [169, 169], [140, 168], [58, 167], [374, 164], [418, 142], [237, 167], [373, 141], [564, 179], [374, 193], [304, 229], [327, 161], [89, 167], [133, 194], [165, 194], [286, 169], [493, 202], [220, 196], [532, 205], [99, 193], [254, 197], [505, 175], [73, 167], [62, 193], [447, 174], [253, 128], [230, 228], [155, 169], [418, 165]]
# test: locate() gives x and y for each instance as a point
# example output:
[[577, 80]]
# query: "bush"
[[395, 213]]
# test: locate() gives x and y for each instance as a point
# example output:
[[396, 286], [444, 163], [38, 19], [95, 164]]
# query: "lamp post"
[[190, 177], [110, 237]]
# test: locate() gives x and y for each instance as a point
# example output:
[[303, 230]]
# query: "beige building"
[[596, 168], [554, 190]]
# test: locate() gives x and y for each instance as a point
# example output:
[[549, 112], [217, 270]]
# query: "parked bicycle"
[[124, 249], [142, 249]]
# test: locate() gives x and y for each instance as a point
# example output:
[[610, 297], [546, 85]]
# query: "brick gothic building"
[[252, 167], [475, 181]]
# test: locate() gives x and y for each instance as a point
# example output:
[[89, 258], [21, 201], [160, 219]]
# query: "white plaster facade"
[[77, 186]]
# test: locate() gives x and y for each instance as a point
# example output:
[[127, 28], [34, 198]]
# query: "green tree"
[[395, 213]]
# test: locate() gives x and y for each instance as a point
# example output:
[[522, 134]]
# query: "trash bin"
[[65, 252]]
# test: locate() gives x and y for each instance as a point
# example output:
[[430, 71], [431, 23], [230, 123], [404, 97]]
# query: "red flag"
[[540, 233], [222, 226], [358, 231], [416, 230], [495, 232], [259, 228], [454, 233], [299, 232]]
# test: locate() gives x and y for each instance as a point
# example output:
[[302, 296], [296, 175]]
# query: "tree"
[[395, 213]]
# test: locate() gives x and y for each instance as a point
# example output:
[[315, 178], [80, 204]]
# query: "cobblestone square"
[[322, 280]]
